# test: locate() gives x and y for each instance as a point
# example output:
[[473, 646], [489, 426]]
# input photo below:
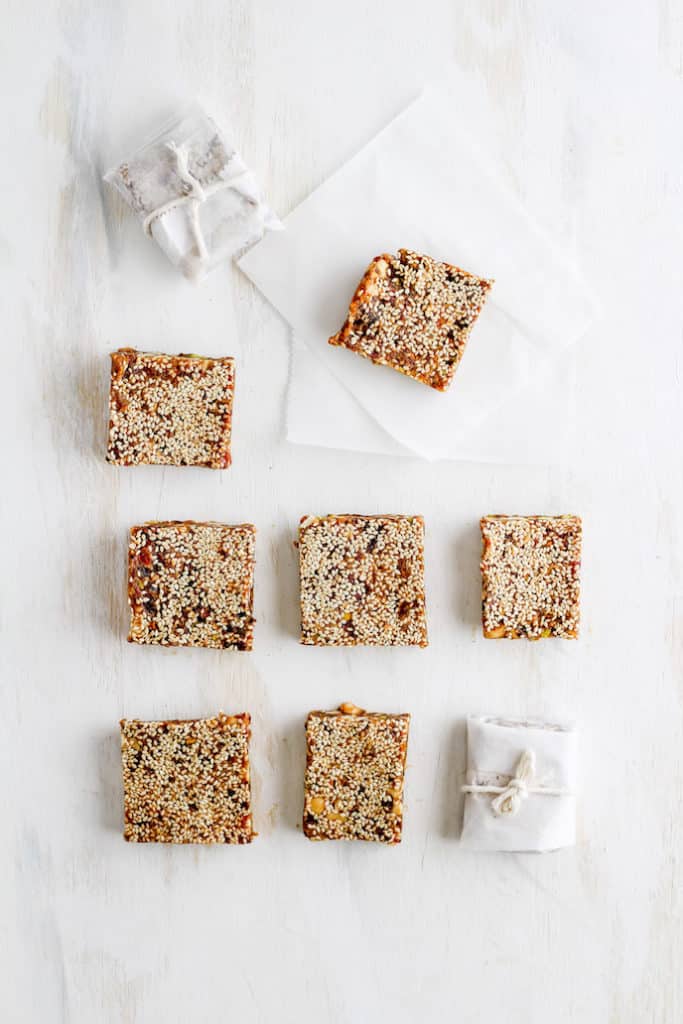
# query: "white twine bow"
[[508, 799], [195, 195], [517, 789], [182, 164]]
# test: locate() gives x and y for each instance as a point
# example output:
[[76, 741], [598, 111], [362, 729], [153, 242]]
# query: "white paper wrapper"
[[544, 821], [422, 185], [539, 428], [193, 194]]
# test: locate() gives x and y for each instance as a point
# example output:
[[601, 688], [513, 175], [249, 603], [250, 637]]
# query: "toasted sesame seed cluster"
[[414, 314], [170, 410], [362, 580], [355, 766], [192, 584], [187, 782], [530, 576]]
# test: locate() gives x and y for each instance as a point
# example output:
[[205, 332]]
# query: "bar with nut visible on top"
[[414, 314], [362, 580], [187, 781], [530, 576], [192, 584], [355, 768], [170, 410]]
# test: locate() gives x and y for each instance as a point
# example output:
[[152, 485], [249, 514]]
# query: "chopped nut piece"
[[354, 585], [350, 709], [414, 314], [355, 768], [530, 576], [192, 584], [170, 410], [187, 782]]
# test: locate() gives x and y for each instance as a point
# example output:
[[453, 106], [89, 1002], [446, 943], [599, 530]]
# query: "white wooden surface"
[[590, 101]]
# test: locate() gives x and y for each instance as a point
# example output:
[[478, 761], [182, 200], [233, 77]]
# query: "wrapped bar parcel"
[[520, 790], [194, 194]]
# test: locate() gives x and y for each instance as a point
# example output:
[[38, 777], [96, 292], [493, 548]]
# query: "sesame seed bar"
[[187, 782], [170, 410], [362, 580], [530, 576], [355, 766], [192, 584], [414, 314]]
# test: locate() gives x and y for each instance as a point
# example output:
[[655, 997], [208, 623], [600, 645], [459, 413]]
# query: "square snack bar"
[[530, 576], [520, 791], [362, 580], [355, 767], [170, 410], [187, 782], [414, 314], [192, 584]]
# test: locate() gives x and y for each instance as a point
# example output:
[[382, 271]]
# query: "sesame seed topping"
[[362, 580], [187, 782], [170, 410], [192, 584], [355, 767], [530, 576], [414, 314]]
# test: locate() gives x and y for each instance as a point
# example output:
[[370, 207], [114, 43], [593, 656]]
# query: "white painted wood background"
[[94, 930]]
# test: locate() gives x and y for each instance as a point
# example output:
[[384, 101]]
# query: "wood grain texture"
[[590, 103]]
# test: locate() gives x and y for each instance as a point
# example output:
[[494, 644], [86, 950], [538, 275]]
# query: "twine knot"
[[194, 193], [193, 187], [510, 800]]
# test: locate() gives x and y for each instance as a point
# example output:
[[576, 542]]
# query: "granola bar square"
[[530, 576], [170, 410], [355, 767], [414, 314], [187, 782], [192, 584], [362, 580]]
